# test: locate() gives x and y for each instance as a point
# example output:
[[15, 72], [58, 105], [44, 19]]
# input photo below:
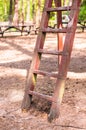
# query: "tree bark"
[[34, 12], [64, 2], [22, 17], [10, 12], [15, 18], [38, 13], [28, 12]]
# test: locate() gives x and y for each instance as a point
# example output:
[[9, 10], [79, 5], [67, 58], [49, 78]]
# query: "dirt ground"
[[15, 58]]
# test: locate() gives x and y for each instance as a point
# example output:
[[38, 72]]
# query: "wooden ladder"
[[63, 52]]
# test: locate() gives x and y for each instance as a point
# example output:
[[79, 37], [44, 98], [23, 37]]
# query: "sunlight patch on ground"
[[13, 56], [12, 72], [15, 95], [23, 73], [80, 46], [74, 75]]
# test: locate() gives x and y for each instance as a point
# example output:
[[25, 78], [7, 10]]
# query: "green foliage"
[[82, 15], [4, 8]]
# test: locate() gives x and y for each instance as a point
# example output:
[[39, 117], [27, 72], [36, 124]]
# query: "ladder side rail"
[[68, 43], [31, 77], [63, 67]]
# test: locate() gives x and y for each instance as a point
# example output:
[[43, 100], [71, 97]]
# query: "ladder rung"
[[50, 52], [44, 73], [66, 8], [51, 30], [49, 98]]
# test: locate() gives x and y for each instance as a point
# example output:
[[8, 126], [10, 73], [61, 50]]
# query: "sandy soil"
[[15, 58]]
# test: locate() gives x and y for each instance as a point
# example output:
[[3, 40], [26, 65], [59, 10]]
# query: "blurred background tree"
[[20, 11], [82, 14]]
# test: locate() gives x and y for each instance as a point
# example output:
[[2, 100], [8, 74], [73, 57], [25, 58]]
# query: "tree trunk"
[[15, 18], [33, 11], [28, 12], [64, 2], [38, 13], [10, 12], [22, 18]]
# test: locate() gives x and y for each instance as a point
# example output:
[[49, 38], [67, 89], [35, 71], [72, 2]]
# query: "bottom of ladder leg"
[[54, 112], [26, 103]]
